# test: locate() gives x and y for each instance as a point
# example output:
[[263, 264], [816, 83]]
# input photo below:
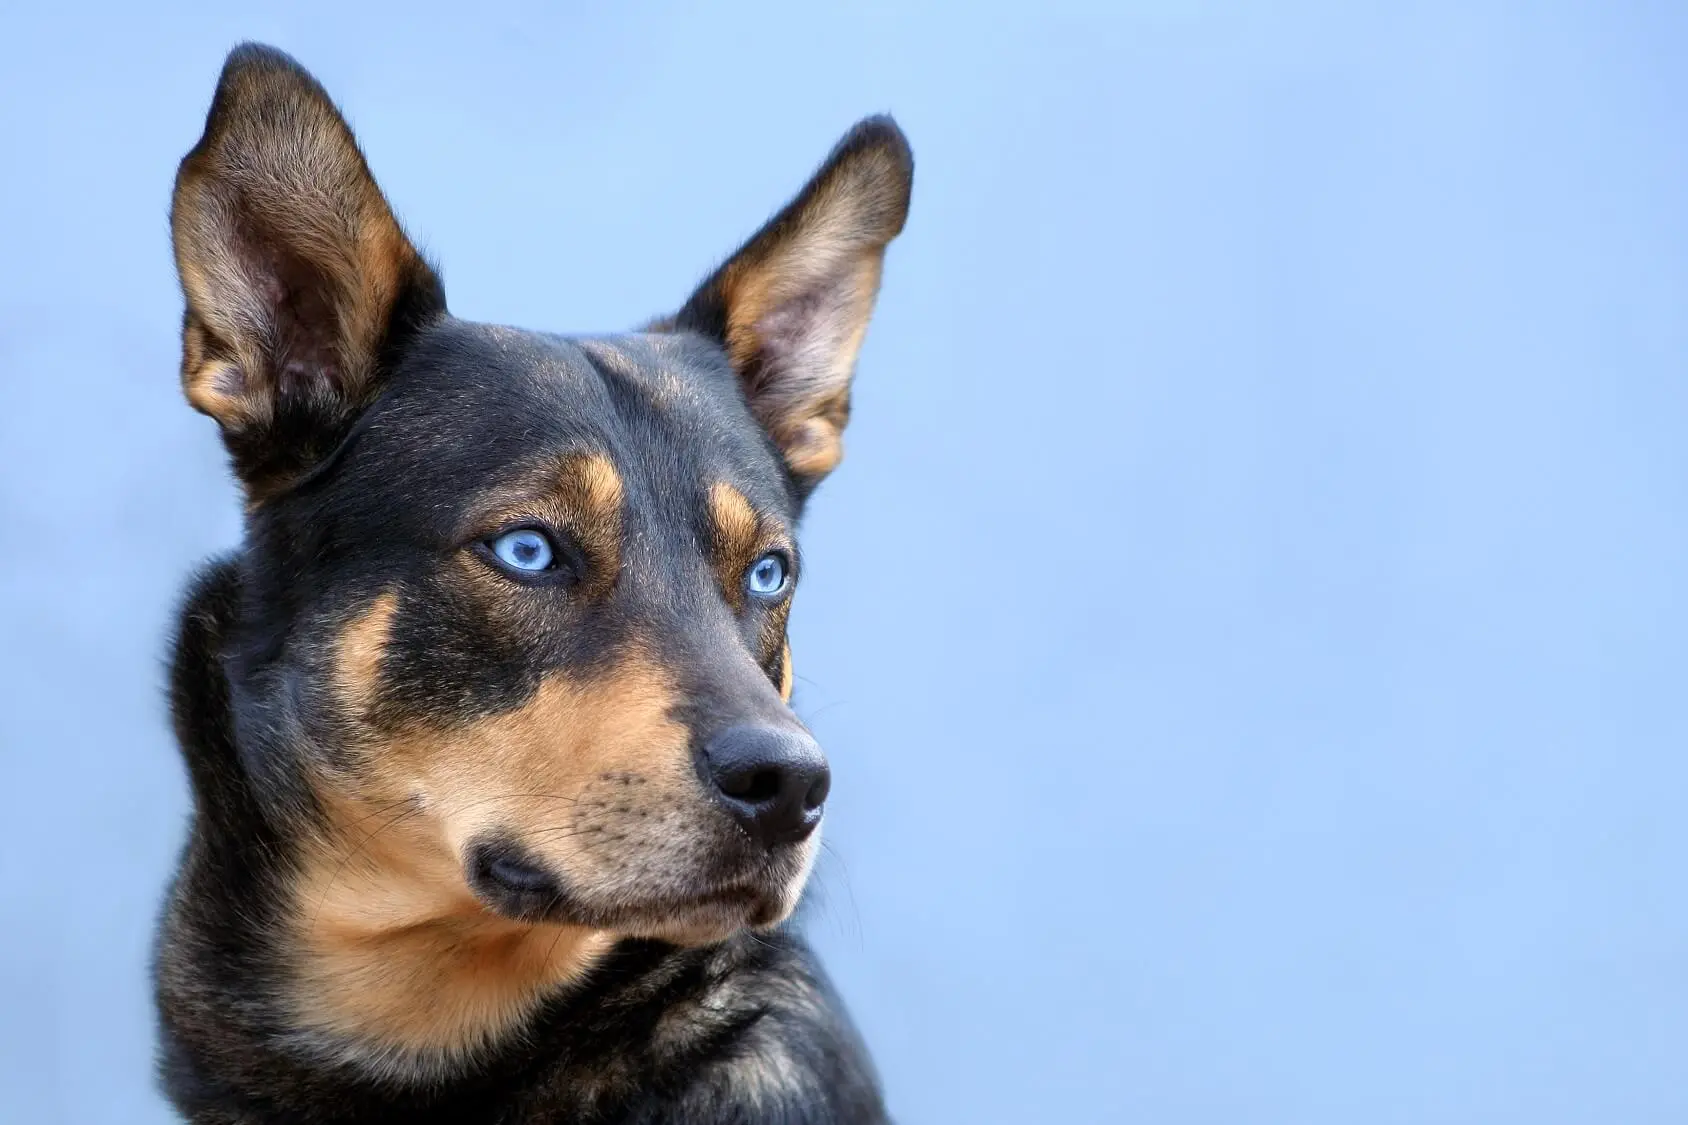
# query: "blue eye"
[[767, 575], [524, 549]]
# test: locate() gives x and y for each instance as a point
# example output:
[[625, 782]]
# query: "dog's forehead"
[[665, 407], [580, 378]]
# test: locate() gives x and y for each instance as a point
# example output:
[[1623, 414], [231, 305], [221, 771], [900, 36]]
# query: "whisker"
[[411, 811], [837, 859], [561, 930], [340, 869], [810, 717]]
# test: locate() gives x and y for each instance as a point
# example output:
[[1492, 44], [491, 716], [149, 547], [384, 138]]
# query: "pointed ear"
[[792, 305], [297, 277]]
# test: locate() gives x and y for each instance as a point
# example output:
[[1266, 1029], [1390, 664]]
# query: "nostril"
[[772, 780], [816, 796], [753, 786]]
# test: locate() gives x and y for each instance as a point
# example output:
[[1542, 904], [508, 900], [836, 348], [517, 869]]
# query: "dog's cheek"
[[592, 775], [582, 773], [360, 655], [471, 646]]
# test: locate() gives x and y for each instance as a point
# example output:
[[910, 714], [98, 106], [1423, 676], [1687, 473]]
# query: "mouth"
[[516, 885], [511, 882]]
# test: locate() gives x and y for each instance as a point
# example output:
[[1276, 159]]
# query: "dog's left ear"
[[297, 276], [792, 305]]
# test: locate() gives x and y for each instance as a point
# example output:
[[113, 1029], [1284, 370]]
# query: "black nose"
[[772, 780]]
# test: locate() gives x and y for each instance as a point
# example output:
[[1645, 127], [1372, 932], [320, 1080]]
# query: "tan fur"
[[477, 782], [581, 494], [589, 498], [738, 538], [591, 488], [276, 215], [798, 300], [741, 535], [362, 647], [394, 952], [737, 527], [803, 400]]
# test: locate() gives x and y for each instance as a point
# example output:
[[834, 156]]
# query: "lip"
[[509, 881], [720, 908]]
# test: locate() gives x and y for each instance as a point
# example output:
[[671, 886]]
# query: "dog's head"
[[516, 604]]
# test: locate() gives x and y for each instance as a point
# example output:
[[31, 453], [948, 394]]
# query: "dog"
[[499, 806]]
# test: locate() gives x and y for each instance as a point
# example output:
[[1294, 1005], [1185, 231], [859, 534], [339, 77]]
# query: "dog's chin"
[[707, 919], [698, 918]]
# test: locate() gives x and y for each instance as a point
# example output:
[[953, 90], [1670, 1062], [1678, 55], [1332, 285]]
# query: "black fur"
[[366, 475], [590, 1056]]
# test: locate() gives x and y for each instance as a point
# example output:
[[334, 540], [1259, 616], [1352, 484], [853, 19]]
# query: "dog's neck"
[[342, 932]]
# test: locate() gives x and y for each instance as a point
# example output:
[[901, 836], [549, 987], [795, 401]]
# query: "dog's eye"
[[524, 550], [767, 575]]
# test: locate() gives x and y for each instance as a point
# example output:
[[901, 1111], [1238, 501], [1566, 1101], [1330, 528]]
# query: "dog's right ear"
[[299, 281]]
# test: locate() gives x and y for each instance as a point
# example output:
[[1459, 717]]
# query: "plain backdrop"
[[1248, 628]]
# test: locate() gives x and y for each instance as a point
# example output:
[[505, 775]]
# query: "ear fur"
[[792, 305], [296, 274]]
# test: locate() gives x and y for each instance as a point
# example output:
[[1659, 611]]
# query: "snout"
[[773, 781], [688, 841]]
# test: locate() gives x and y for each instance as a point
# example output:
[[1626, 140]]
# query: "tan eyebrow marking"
[[740, 536], [581, 494], [590, 489], [736, 525], [362, 649]]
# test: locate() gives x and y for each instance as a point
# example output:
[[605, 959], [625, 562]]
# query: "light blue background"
[[1249, 627]]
